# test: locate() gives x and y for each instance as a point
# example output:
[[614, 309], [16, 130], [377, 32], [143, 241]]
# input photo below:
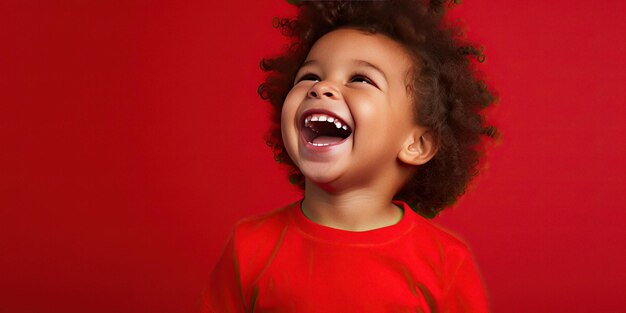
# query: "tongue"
[[327, 140]]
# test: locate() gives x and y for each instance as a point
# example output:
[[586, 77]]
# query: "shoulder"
[[445, 242], [462, 287], [262, 224], [259, 235], [256, 239], [447, 254]]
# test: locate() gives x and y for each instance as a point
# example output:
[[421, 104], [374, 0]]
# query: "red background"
[[131, 141]]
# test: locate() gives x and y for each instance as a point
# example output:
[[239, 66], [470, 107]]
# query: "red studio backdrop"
[[131, 140]]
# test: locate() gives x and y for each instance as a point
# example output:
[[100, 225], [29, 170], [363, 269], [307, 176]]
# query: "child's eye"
[[312, 77], [362, 79]]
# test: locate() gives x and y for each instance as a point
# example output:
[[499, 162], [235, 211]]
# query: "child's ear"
[[419, 148]]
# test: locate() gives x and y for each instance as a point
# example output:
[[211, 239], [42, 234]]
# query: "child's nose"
[[323, 89]]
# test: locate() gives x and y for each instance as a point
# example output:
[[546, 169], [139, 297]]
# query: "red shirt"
[[283, 262]]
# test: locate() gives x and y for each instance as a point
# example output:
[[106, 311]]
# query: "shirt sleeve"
[[466, 291], [224, 292]]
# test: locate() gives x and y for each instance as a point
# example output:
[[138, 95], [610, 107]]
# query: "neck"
[[354, 210]]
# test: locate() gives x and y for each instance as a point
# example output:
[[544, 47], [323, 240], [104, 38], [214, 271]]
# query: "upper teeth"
[[324, 118]]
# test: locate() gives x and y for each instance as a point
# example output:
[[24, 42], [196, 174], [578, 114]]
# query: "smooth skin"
[[362, 79]]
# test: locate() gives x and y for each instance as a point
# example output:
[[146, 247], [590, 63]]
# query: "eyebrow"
[[356, 62]]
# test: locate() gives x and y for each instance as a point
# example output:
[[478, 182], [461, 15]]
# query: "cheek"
[[287, 109], [288, 114], [369, 111], [292, 102]]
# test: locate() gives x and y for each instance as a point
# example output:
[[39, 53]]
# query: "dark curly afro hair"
[[448, 94]]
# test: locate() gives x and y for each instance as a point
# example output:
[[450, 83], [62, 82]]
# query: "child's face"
[[348, 114]]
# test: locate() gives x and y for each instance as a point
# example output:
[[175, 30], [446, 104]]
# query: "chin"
[[319, 178], [321, 175]]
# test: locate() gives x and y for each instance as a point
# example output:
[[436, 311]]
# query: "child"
[[378, 116]]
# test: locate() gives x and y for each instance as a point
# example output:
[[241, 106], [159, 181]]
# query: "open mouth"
[[324, 130]]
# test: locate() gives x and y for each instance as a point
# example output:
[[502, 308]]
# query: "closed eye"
[[311, 77], [362, 79]]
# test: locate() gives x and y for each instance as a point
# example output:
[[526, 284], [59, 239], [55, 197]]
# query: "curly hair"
[[448, 95]]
